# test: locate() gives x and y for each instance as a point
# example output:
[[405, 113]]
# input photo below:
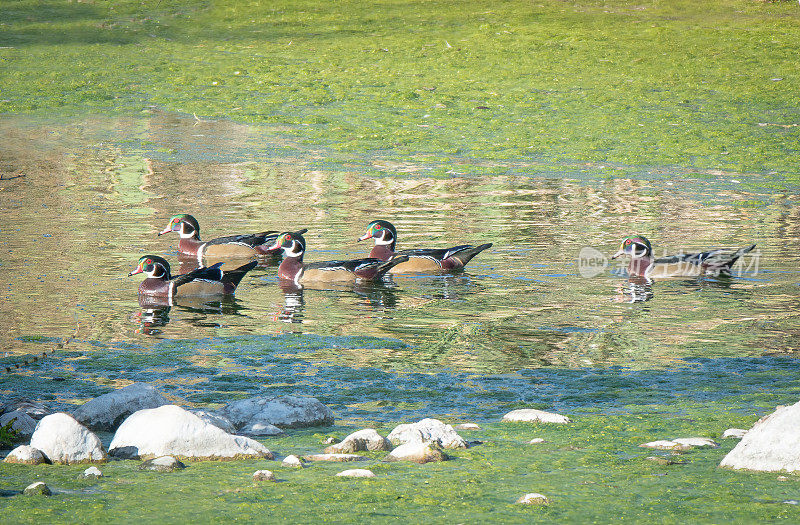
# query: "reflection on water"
[[88, 199]]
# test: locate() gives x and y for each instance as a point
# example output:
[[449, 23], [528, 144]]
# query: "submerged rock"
[[21, 423], [292, 461], [533, 498], [531, 415], [773, 444], [91, 473], [427, 431], [162, 464], [417, 452], [661, 460], [356, 473], [37, 489], [63, 440], [467, 426], [26, 455], [170, 430], [367, 439], [697, 442], [334, 457], [263, 475], [283, 411], [734, 433], [666, 444], [107, 412]]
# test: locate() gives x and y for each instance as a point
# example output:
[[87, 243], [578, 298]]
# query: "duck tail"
[[235, 276], [391, 263], [721, 263], [464, 256]]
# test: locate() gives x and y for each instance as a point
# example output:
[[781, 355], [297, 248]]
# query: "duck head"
[[292, 243], [185, 224], [636, 246], [383, 233], [153, 266]]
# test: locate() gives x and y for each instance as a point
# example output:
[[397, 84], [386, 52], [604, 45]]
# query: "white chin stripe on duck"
[[385, 240], [295, 251], [187, 232]]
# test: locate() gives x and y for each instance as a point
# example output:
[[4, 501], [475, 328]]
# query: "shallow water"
[[83, 200]]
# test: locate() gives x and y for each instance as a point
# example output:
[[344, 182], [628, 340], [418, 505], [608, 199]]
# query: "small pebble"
[[356, 473], [292, 461], [330, 440], [91, 473], [735, 433], [533, 498], [263, 475], [467, 426], [536, 441]]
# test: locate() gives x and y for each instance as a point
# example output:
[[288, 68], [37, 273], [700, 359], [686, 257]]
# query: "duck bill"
[[137, 270], [274, 247], [166, 230], [618, 254], [366, 236]]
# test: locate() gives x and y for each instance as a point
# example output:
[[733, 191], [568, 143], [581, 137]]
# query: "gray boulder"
[[162, 464], [367, 439], [21, 422], [427, 431], [34, 409], [170, 430], [772, 445], [283, 412], [63, 440], [417, 452], [215, 419], [108, 411]]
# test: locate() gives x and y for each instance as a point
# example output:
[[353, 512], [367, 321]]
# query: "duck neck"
[[290, 268], [382, 251]]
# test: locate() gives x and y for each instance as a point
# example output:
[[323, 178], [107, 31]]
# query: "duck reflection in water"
[[376, 295], [637, 289], [155, 311]]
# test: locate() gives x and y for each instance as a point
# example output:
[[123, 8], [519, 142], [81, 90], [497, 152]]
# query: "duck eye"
[[149, 261], [377, 227], [627, 242]]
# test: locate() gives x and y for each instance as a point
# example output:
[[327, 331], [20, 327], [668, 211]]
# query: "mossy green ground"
[[707, 85], [592, 470]]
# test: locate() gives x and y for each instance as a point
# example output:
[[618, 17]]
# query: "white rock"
[[735, 433], [263, 475], [260, 428], [330, 440], [25, 455], [531, 415], [215, 419], [536, 441], [367, 439], [334, 457], [467, 426], [697, 442], [418, 452], [773, 444], [283, 411], [92, 473], [109, 410], [170, 430], [38, 488], [356, 473], [23, 424], [665, 444], [162, 464], [533, 498], [292, 461], [427, 431], [63, 440]]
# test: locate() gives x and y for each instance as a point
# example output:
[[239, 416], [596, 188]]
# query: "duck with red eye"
[[427, 260], [202, 282], [642, 263], [295, 270], [232, 246]]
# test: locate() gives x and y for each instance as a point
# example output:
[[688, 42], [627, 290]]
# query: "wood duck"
[[419, 260], [210, 281], [295, 270], [231, 246], [713, 262]]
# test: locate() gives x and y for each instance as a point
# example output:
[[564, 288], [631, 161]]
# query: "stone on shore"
[[37, 489], [108, 411], [334, 457], [531, 415], [21, 423], [772, 445], [697, 442], [91, 473], [356, 473], [734, 433], [533, 498], [666, 444], [467, 426], [169, 430], [292, 461], [367, 439], [283, 412], [427, 431], [26, 455], [418, 452], [263, 475], [162, 464], [63, 440]]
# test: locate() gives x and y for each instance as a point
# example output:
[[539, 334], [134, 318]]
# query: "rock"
[[63, 440], [536, 441], [417, 452], [21, 423], [661, 460], [773, 444], [367, 439], [665, 444], [697, 442], [427, 431], [37, 489], [263, 475], [334, 457], [283, 411], [292, 461], [531, 415], [533, 498], [356, 473], [467, 426], [735, 433], [162, 464], [782, 478], [212, 418], [169, 430], [91, 473], [109, 410], [32, 408], [26, 455], [260, 429], [330, 440]]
